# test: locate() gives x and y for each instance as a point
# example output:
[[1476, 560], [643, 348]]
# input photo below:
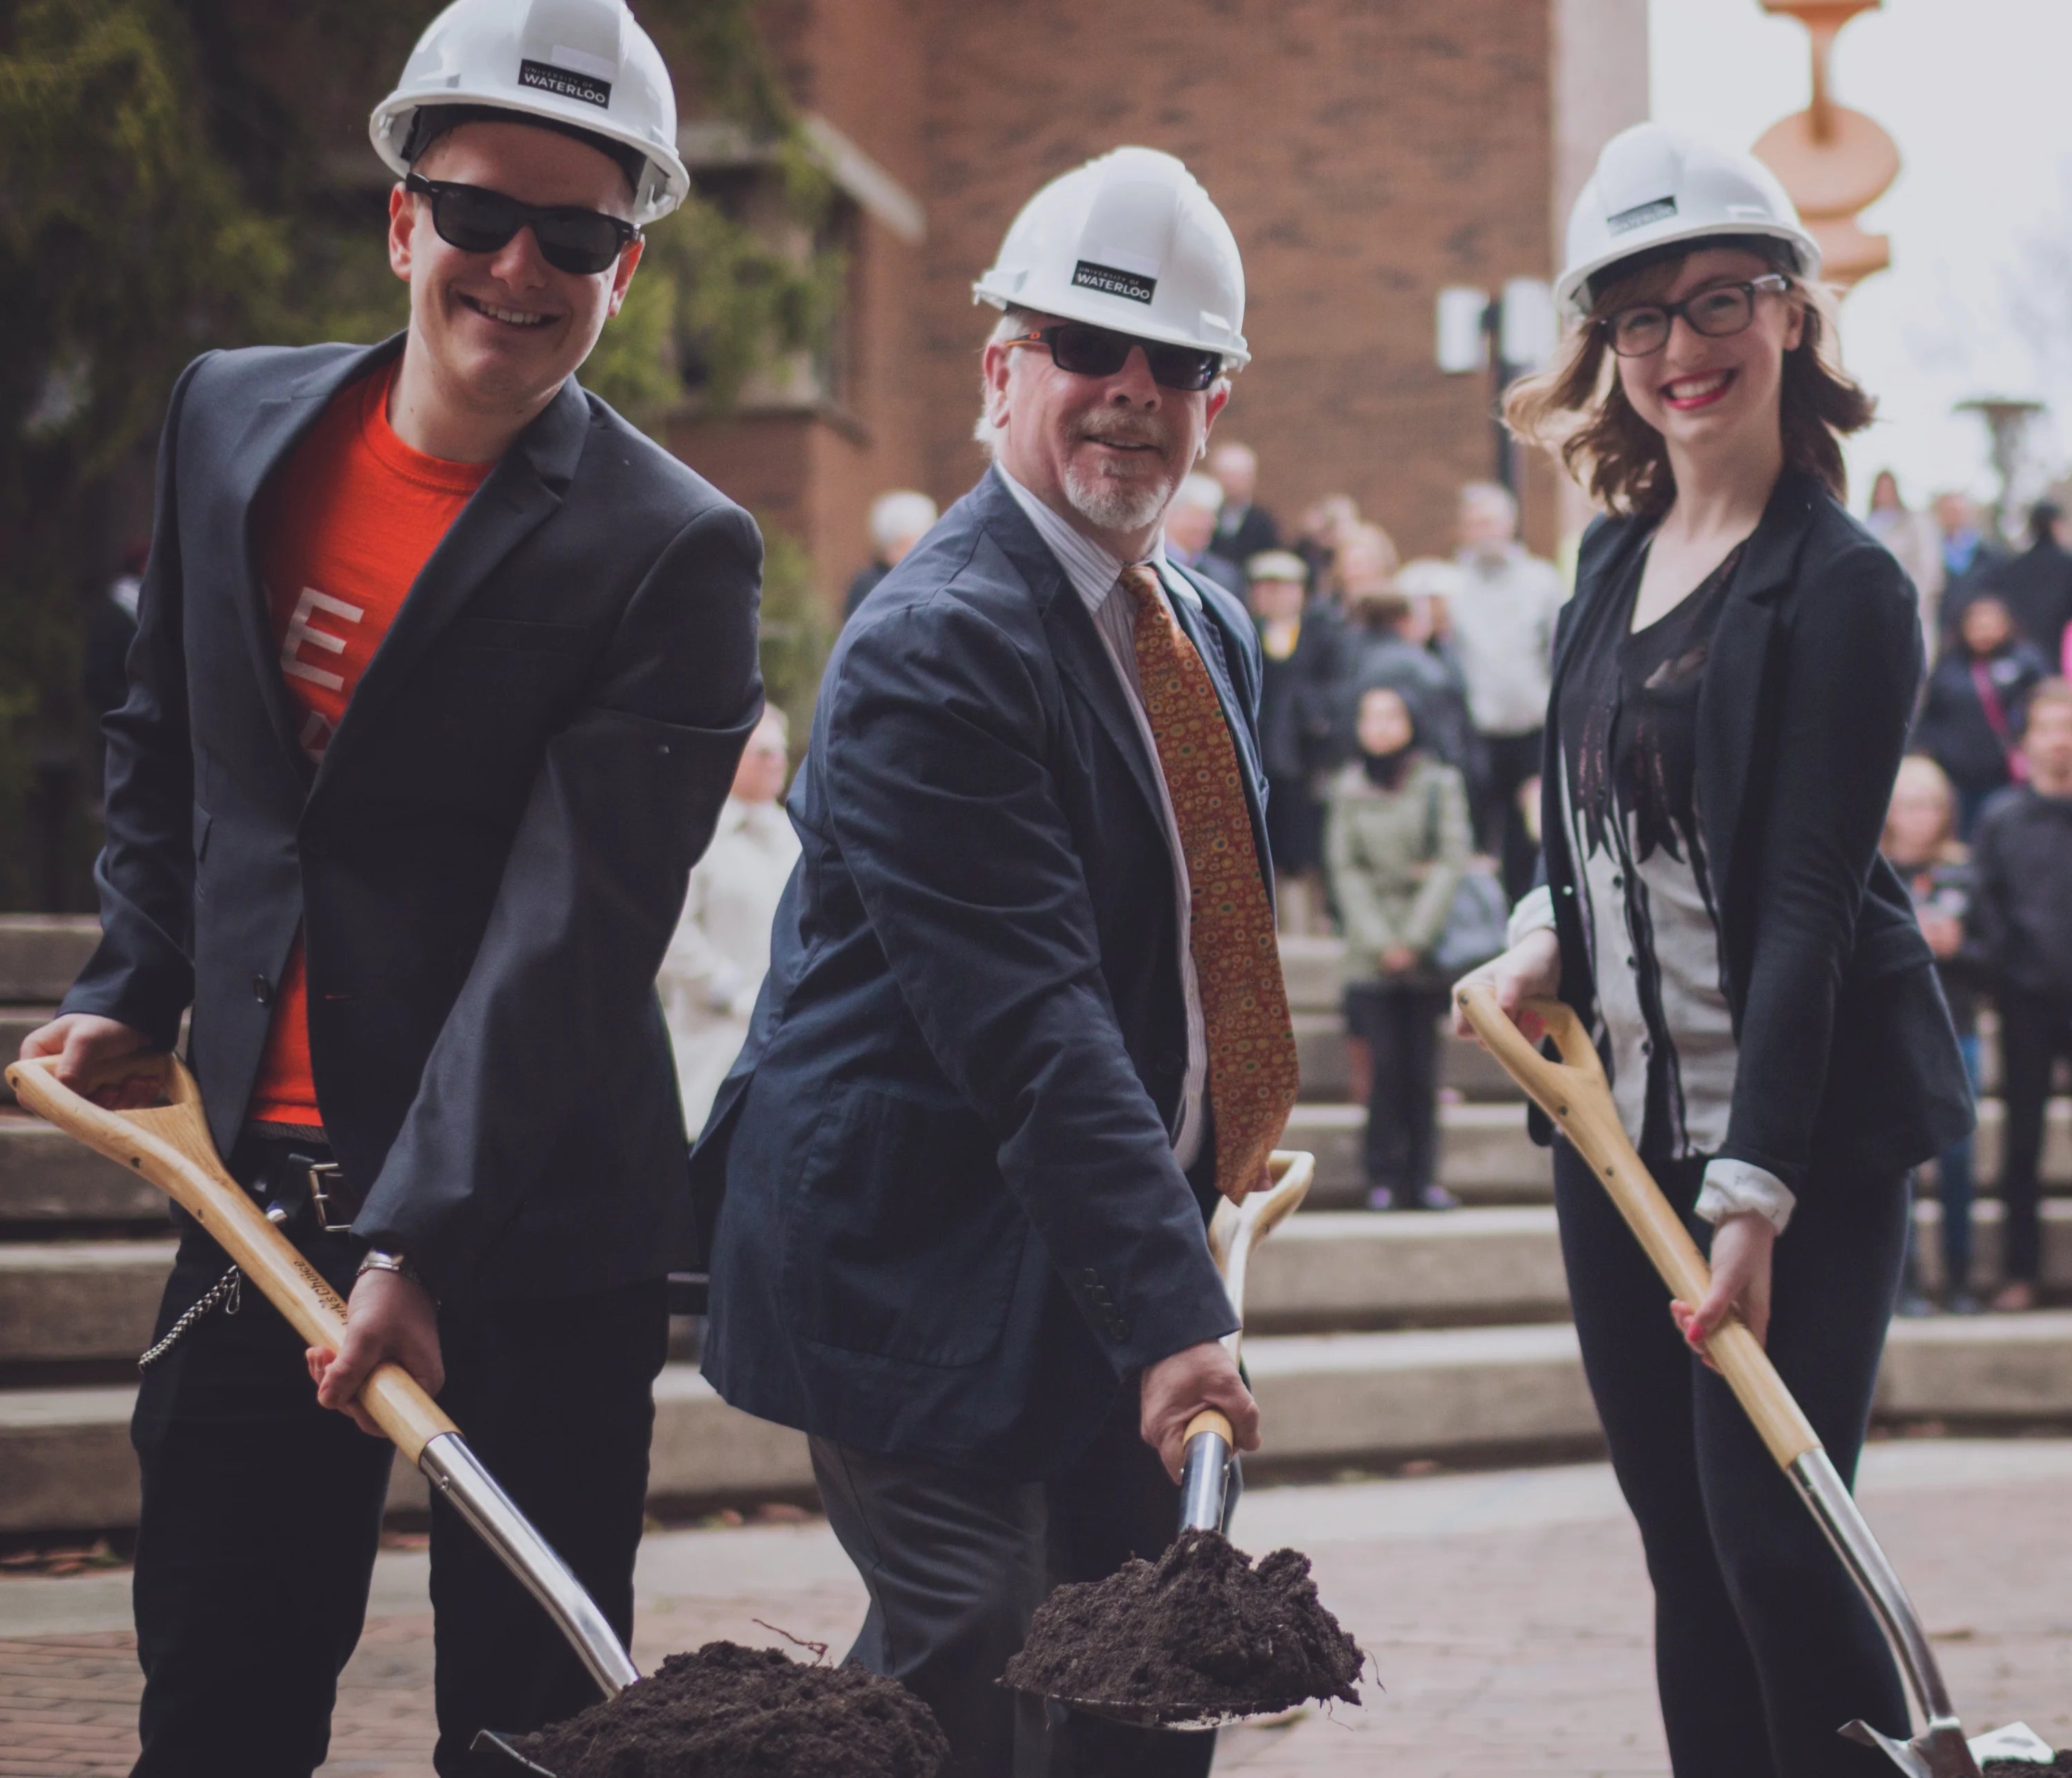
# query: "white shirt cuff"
[[1534, 913], [1732, 1187]]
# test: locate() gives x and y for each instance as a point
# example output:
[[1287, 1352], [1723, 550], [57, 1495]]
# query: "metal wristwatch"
[[375, 1260]]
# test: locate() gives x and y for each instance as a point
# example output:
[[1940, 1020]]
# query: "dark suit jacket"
[[1847, 1060], [492, 857], [949, 1219], [1252, 533]]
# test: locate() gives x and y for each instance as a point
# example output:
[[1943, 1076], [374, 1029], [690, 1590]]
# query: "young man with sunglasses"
[[441, 674], [1024, 1020]]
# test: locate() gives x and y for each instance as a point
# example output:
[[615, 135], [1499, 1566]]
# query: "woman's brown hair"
[[1579, 408]]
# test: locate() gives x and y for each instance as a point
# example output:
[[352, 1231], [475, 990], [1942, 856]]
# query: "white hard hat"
[[1129, 241], [581, 63], [1653, 186]]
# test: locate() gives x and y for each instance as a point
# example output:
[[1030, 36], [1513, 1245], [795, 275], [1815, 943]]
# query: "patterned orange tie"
[[1252, 1070]]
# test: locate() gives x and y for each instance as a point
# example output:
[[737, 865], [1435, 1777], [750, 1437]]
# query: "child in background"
[[2021, 912], [1920, 839], [1397, 837], [1971, 712]]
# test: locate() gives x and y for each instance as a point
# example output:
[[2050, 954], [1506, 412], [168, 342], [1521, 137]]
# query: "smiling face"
[[1704, 394], [1107, 452], [501, 331]]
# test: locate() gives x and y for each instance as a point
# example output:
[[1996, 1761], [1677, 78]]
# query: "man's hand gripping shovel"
[[1573, 1092], [169, 1145]]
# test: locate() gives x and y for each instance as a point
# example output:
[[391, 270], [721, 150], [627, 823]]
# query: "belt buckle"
[[326, 1181]]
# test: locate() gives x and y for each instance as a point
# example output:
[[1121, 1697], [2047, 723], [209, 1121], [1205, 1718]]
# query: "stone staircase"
[[1373, 1340]]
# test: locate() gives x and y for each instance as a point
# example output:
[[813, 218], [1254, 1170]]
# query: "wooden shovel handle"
[[170, 1146], [1573, 1092], [1210, 1420]]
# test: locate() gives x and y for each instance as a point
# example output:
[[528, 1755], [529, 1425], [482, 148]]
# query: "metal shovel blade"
[[1943, 1752], [491, 1750]]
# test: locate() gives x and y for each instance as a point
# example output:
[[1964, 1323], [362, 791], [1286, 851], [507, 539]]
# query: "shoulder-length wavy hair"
[[1579, 409]]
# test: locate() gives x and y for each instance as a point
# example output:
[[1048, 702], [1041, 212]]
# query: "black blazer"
[[1847, 1060], [949, 1219], [489, 862]]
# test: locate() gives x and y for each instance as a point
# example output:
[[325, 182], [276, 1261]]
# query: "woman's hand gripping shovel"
[[1573, 1092], [1205, 1474], [169, 1145]]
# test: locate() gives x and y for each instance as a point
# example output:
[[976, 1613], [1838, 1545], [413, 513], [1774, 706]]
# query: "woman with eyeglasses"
[[1732, 686]]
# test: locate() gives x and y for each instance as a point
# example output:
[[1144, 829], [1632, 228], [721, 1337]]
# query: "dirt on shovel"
[[1200, 1631], [2059, 1767], [726, 1711]]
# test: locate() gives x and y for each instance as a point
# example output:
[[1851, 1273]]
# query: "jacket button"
[[262, 990], [1098, 1297], [1090, 1276], [1118, 1329]]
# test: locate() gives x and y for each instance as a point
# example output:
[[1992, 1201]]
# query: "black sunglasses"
[[479, 221], [1087, 351], [1719, 311]]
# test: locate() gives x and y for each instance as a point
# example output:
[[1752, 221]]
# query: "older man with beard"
[[1024, 1018]]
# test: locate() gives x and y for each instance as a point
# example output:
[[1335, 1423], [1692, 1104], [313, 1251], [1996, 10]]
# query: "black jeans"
[[262, 1513], [957, 1564], [1400, 1023], [1513, 760], [1763, 1647], [2035, 1030]]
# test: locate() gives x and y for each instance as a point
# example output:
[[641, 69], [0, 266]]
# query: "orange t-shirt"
[[344, 527]]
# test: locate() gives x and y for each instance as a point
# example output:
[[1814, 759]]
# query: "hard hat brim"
[[1572, 294], [388, 127]]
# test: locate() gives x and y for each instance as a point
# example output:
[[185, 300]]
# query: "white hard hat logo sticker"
[[1640, 215], [1112, 281], [566, 82]]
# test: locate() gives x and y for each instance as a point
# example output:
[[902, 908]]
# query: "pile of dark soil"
[[1200, 1631], [2059, 1767], [731, 1712]]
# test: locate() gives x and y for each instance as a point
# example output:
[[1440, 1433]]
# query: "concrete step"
[[1345, 1399], [40, 953], [46, 1177], [1312, 969], [78, 1302], [1485, 1155], [16, 1022]]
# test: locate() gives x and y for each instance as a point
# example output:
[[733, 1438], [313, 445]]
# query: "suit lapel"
[[274, 428], [1083, 657], [1730, 700], [518, 496]]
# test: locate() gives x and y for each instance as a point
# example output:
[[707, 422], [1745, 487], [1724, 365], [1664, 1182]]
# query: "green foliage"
[[182, 174]]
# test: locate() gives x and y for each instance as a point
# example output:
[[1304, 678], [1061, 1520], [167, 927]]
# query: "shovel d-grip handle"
[[1573, 1092], [170, 1146]]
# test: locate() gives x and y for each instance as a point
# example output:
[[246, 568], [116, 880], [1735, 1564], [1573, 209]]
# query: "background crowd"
[[1401, 711]]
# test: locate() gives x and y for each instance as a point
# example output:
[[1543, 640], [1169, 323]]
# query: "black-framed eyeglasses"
[[480, 221], [1087, 351], [1715, 311]]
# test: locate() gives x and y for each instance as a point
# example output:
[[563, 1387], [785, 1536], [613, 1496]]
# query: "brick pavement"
[[1509, 1616]]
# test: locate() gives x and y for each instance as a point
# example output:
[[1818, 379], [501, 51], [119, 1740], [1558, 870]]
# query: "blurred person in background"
[[1972, 710], [1968, 553], [1243, 526], [1921, 844], [1504, 616], [1397, 839], [1917, 546], [1190, 533], [2036, 586], [1302, 672], [899, 520], [716, 962], [1318, 538], [2021, 912], [1386, 634]]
